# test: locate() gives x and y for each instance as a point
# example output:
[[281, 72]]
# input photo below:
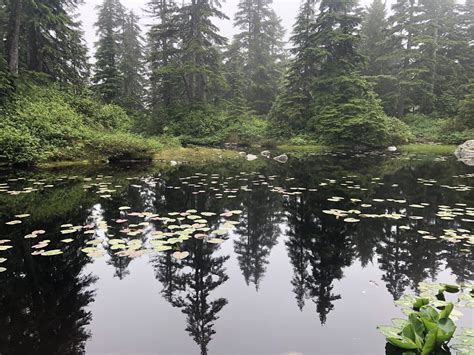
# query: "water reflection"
[[319, 250], [188, 285], [44, 302], [257, 233]]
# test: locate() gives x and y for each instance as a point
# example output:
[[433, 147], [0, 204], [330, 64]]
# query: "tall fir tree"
[[132, 65], [200, 59], [404, 32], [466, 28], [375, 44], [260, 43], [439, 41], [342, 105], [44, 37], [291, 108], [108, 79], [162, 58]]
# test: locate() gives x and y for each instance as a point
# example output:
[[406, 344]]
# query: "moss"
[[302, 148], [195, 154], [428, 148]]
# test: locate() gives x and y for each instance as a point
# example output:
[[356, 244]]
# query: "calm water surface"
[[312, 254]]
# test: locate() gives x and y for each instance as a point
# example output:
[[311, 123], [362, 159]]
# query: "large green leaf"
[[430, 313], [409, 332], [420, 302], [399, 323], [446, 329], [388, 331], [430, 342], [417, 324], [446, 311], [402, 343], [429, 325]]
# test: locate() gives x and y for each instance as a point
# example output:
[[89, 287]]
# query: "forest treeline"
[[365, 77]]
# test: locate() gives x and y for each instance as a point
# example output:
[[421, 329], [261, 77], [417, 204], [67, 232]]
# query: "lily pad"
[[180, 255], [52, 252]]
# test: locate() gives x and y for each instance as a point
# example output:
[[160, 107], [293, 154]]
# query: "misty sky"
[[285, 9]]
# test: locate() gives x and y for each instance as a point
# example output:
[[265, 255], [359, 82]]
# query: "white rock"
[[281, 158], [251, 157], [465, 152], [265, 153], [392, 149]]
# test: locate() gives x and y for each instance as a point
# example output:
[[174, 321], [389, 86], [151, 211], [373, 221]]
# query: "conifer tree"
[[162, 57], [108, 80], [375, 44], [261, 47], [291, 108], [438, 41], [199, 54], [44, 37], [132, 64], [404, 51]]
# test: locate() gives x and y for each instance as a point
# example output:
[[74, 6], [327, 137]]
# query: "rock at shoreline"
[[465, 152], [282, 158], [251, 157]]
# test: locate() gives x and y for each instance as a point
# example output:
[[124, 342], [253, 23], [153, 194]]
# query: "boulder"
[[281, 158], [265, 153], [251, 157], [465, 152], [242, 154], [392, 149]]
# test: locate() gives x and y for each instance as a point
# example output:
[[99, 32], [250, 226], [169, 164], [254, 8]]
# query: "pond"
[[232, 257]]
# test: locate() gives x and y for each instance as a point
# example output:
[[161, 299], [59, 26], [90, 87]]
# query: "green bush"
[[120, 146], [466, 109], [398, 132], [246, 130], [302, 140], [42, 124], [354, 123], [113, 117], [18, 146], [427, 129]]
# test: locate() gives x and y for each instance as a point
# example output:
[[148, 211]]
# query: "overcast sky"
[[285, 9]]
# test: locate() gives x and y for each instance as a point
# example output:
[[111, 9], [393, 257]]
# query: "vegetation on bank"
[[49, 124], [361, 78]]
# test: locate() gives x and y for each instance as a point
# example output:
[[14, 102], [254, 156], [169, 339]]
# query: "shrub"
[[18, 146], [246, 130], [47, 124], [121, 146], [354, 123], [398, 132], [466, 109], [113, 117], [428, 129]]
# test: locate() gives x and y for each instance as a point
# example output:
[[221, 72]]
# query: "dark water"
[[288, 279]]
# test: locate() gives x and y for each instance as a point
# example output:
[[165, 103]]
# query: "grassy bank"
[[195, 154], [429, 148]]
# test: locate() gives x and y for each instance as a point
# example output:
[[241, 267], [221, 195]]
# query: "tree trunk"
[[13, 37]]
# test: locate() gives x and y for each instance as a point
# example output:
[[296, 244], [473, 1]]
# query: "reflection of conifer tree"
[[43, 301], [319, 248], [461, 263], [166, 269], [394, 252], [258, 233], [188, 285]]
